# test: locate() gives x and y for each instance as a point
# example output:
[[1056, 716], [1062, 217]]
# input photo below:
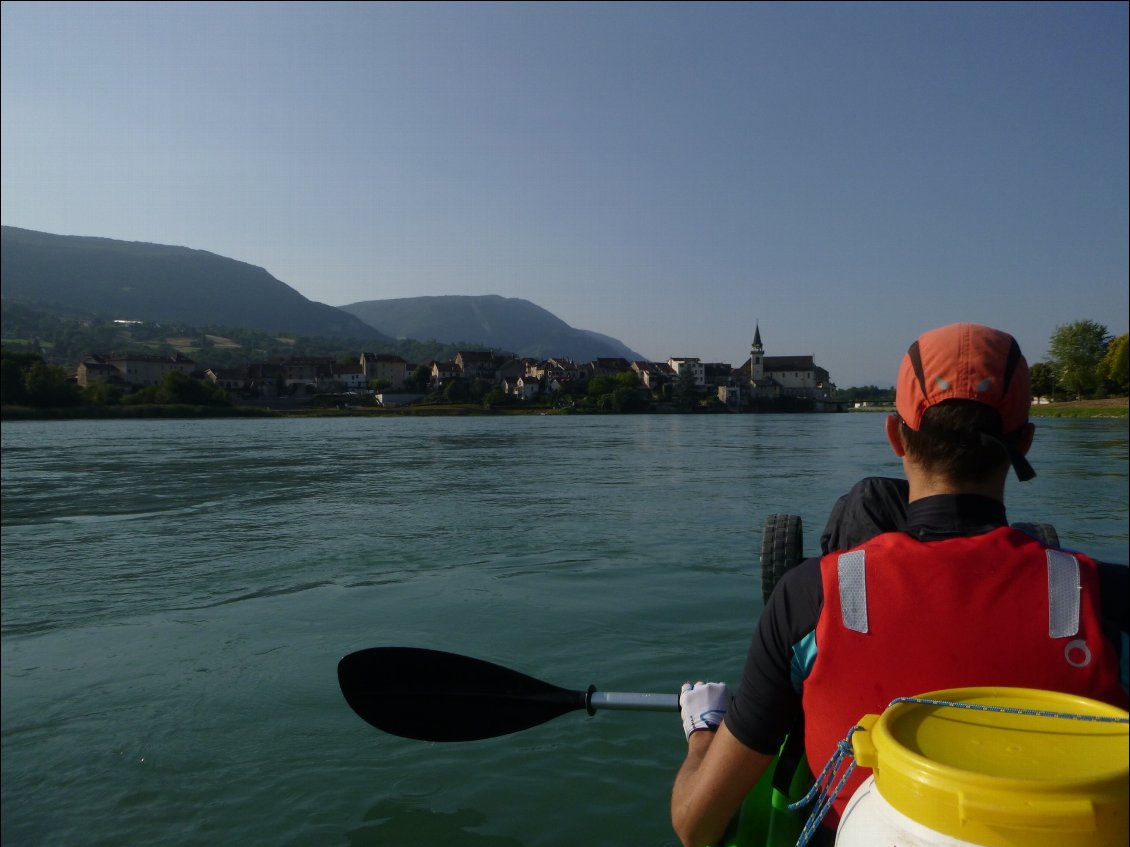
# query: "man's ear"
[[895, 437]]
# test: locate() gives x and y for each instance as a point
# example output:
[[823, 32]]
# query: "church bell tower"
[[757, 356]]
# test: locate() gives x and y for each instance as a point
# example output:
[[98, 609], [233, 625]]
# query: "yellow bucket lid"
[[1003, 779]]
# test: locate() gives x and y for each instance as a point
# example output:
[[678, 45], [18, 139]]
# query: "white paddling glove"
[[703, 705]]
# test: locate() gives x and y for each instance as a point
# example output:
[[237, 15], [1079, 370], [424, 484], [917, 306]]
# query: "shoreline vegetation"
[[1109, 407], [1112, 407], [1085, 362]]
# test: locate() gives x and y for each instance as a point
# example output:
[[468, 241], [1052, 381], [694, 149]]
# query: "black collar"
[[953, 515]]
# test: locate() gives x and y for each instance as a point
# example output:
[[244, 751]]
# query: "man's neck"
[[923, 484]]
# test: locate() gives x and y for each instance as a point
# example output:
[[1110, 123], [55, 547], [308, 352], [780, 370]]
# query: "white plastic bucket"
[[999, 775], [870, 821]]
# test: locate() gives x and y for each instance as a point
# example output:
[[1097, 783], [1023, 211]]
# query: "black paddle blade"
[[430, 695]]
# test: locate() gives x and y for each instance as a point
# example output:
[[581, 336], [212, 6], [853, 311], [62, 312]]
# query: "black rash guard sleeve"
[[1114, 600], [1114, 591], [767, 705]]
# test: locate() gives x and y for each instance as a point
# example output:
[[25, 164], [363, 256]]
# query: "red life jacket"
[[902, 617]]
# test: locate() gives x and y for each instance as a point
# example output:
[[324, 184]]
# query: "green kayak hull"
[[764, 819]]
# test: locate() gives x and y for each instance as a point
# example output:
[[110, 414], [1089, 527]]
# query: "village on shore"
[[391, 381]]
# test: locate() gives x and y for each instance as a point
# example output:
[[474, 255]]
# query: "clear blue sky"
[[847, 175]]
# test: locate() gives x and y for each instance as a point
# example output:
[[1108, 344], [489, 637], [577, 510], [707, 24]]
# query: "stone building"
[[776, 377]]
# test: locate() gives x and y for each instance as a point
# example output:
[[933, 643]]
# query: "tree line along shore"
[[1086, 375]]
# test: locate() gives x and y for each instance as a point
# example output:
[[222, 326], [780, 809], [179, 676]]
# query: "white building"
[[682, 364]]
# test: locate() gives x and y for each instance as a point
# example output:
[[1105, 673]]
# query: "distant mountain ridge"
[[86, 275], [506, 323], [156, 282]]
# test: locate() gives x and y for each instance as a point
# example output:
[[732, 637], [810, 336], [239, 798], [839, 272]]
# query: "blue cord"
[[1010, 710], [820, 788]]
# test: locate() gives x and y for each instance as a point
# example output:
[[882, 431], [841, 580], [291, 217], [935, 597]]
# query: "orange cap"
[[965, 361]]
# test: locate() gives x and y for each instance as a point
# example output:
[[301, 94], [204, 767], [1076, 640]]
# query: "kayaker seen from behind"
[[954, 599]]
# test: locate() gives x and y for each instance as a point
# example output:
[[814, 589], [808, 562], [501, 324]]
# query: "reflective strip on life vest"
[[1064, 590], [853, 590]]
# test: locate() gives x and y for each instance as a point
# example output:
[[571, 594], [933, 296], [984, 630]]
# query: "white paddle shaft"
[[637, 702]]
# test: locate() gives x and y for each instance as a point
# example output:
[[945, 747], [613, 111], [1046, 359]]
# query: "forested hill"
[[155, 282], [505, 323], [111, 279]]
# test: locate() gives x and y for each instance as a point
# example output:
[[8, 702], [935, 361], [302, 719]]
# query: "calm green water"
[[176, 596]]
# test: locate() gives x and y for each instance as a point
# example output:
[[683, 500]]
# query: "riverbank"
[[318, 408], [154, 411], [1114, 407], [1110, 407], [27, 413]]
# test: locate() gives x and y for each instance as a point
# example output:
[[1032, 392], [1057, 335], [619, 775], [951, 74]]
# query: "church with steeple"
[[778, 377]]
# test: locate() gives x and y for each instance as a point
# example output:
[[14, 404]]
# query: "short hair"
[[961, 440]]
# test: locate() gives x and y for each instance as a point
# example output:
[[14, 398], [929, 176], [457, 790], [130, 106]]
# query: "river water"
[[176, 596]]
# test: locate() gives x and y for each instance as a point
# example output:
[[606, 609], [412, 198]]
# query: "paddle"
[[431, 695]]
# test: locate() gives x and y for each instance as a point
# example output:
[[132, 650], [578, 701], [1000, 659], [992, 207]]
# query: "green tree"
[[421, 377], [102, 394], [49, 386], [1075, 352], [497, 397], [685, 394], [866, 394], [480, 388], [456, 391], [1043, 380], [1115, 367], [627, 379], [628, 399], [13, 390], [600, 385], [178, 389]]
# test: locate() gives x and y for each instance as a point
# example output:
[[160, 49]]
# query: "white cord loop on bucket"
[[824, 793]]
